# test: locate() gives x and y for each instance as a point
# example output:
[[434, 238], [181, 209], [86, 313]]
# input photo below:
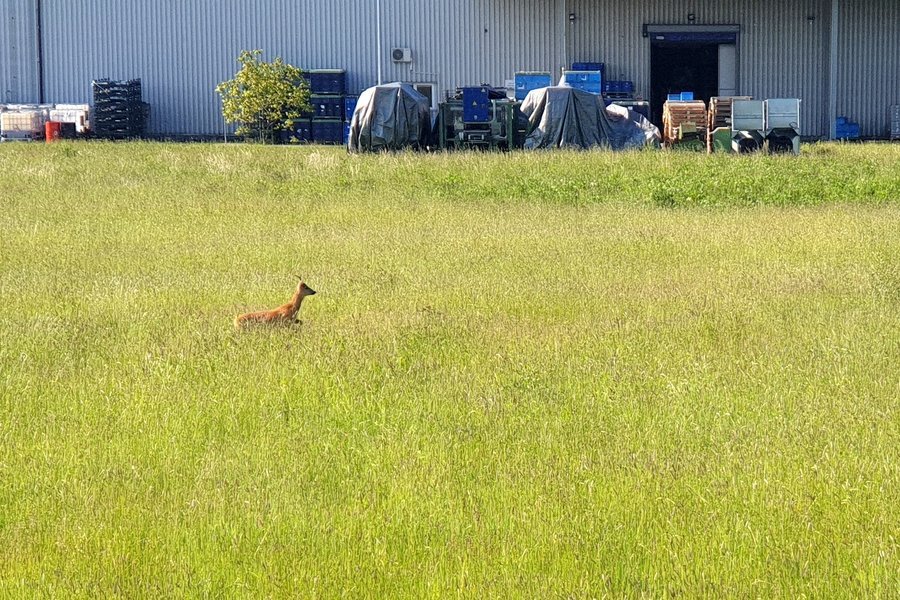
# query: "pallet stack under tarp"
[[684, 122]]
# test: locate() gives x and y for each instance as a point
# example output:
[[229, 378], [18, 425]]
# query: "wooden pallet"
[[720, 110], [676, 114]]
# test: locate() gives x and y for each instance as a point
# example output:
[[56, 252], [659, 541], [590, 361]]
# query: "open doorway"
[[682, 67], [701, 59]]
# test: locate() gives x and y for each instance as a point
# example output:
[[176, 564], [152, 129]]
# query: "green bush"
[[263, 97]]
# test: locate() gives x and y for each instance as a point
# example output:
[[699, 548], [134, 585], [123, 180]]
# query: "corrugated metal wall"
[[470, 42], [869, 63], [18, 52], [781, 53], [181, 50]]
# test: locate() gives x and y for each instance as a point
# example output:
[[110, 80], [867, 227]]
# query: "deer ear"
[[298, 277]]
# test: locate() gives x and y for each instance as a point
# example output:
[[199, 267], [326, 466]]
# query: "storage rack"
[[119, 111], [328, 90]]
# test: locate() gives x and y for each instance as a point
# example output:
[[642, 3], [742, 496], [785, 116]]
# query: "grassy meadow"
[[560, 375]]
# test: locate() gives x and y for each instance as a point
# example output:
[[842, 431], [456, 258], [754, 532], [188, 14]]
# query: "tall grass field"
[[533, 375]]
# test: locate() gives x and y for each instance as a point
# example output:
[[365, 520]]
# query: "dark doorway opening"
[[682, 67]]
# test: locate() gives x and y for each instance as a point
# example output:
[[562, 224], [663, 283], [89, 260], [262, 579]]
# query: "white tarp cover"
[[390, 117], [566, 117]]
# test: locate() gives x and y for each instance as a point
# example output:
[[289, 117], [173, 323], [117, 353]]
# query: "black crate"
[[328, 81], [300, 131], [327, 107], [328, 132]]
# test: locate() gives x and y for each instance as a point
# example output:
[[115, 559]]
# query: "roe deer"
[[286, 314]]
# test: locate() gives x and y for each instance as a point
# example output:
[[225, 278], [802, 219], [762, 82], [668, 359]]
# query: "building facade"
[[841, 57]]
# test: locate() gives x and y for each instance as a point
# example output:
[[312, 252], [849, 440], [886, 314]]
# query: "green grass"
[[533, 375]]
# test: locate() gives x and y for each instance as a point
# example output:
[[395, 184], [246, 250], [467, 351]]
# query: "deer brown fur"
[[286, 314]]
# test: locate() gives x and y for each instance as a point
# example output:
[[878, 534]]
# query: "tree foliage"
[[263, 97]]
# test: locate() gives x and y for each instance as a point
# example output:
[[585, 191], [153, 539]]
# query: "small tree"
[[263, 97]]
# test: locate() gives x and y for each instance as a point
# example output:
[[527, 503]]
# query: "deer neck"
[[295, 302]]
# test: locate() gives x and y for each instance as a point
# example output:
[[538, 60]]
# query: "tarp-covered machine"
[[567, 117], [394, 116]]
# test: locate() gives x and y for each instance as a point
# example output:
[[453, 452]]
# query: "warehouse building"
[[841, 57]]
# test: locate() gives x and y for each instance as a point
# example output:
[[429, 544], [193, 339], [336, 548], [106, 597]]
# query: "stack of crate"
[[119, 111], [328, 89], [718, 123], [684, 123]]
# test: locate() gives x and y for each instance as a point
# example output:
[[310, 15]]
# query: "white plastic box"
[[22, 122]]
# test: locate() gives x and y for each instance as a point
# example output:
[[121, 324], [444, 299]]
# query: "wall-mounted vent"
[[401, 55]]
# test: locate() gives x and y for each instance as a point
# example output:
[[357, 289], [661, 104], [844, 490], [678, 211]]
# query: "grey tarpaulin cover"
[[566, 117], [390, 117], [630, 129]]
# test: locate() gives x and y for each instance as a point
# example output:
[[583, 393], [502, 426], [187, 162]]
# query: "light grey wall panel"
[[469, 42], [869, 63], [18, 52], [181, 50], [782, 53]]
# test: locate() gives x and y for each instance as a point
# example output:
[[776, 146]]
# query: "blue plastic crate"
[[618, 87], [589, 81], [681, 97], [328, 81], [350, 106], [847, 130], [527, 81], [589, 66], [327, 107], [476, 105], [346, 133]]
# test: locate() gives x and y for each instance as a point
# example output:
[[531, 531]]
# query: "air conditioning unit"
[[401, 55]]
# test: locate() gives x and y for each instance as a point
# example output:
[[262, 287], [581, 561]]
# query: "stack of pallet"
[[684, 123], [719, 122], [119, 112]]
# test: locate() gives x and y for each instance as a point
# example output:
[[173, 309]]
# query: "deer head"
[[303, 289]]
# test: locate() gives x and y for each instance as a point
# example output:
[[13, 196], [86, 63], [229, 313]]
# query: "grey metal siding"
[[181, 50], [782, 54], [869, 63], [470, 42], [18, 52]]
